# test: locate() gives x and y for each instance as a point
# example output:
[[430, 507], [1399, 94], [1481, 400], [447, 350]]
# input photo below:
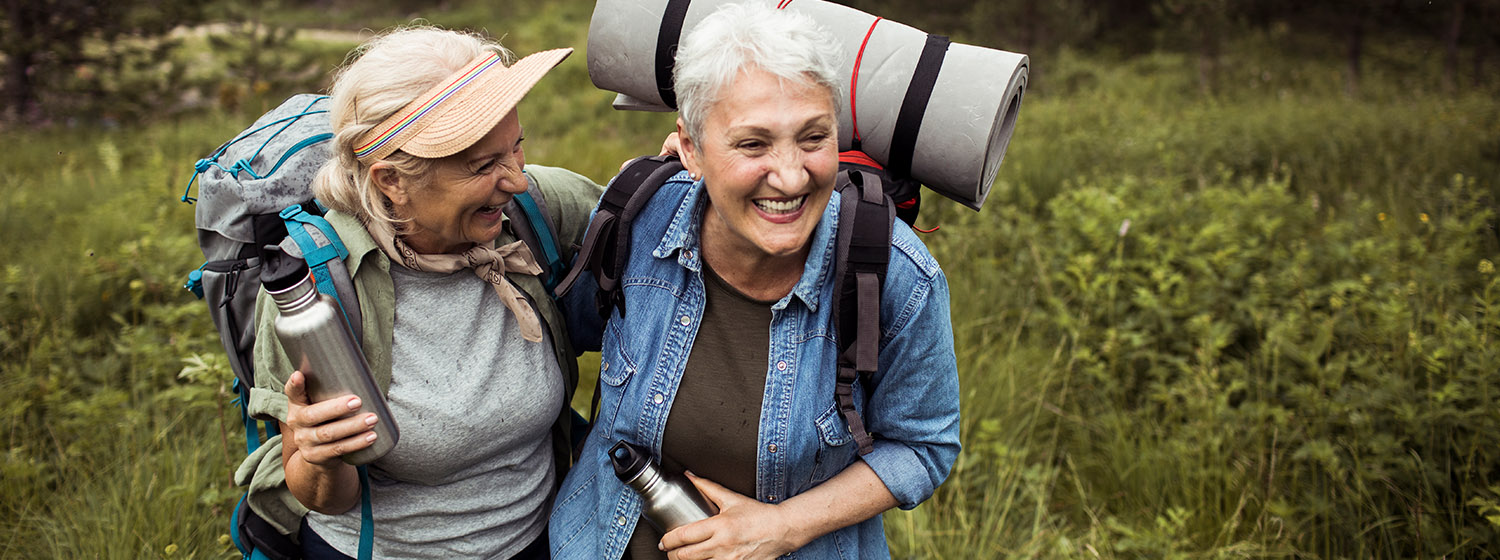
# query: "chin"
[[785, 247]]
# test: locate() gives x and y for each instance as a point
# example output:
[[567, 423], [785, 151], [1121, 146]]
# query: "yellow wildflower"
[[1423, 217], [1380, 216], [1486, 267]]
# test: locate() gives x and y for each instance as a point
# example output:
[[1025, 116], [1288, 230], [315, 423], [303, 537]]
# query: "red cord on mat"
[[854, 80], [855, 156]]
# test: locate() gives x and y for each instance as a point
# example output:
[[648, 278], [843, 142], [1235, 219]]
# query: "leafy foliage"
[[1206, 329], [1256, 323]]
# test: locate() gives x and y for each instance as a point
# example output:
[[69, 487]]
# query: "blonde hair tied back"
[[380, 77]]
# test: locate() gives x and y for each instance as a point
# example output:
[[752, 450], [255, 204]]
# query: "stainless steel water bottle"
[[316, 337], [669, 501]]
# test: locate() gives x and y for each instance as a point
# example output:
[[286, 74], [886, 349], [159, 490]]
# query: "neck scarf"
[[488, 262]]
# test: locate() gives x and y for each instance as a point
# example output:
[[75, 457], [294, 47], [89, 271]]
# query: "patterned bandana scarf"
[[489, 263]]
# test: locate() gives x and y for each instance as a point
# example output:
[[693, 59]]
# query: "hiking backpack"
[[867, 213], [254, 195]]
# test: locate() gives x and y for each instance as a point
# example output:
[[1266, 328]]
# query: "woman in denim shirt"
[[724, 361]]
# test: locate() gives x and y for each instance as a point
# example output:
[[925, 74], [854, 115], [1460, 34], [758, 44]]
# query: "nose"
[[512, 180], [788, 172]]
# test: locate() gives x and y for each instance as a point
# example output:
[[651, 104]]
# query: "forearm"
[[850, 497], [330, 490]]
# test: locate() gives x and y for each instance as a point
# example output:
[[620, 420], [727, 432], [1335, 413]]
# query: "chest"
[[466, 389]]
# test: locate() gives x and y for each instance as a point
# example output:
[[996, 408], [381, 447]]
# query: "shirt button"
[[772, 497], [771, 448], [781, 365], [688, 254], [604, 367], [657, 399], [620, 521], [684, 320]]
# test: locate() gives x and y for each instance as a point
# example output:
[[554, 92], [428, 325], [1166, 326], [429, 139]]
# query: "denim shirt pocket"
[[616, 367], [835, 449]]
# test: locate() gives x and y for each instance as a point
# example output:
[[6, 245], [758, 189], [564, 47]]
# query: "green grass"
[[1290, 351]]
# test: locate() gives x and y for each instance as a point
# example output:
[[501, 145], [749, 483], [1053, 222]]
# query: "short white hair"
[[738, 37]]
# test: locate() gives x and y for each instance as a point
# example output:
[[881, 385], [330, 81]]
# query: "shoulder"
[[347, 226], [564, 185], [914, 282], [908, 251], [569, 197]]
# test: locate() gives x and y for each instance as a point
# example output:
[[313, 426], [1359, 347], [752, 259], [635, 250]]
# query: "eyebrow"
[[811, 123], [486, 155]]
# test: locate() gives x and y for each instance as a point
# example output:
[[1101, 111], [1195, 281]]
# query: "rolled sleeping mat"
[[942, 113]]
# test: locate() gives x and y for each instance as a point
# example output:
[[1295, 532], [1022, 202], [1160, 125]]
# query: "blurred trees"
[[1451, 29], [91, 59], [47, 42]]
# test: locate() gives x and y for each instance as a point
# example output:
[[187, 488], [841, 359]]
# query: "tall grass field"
[[1259, 323]]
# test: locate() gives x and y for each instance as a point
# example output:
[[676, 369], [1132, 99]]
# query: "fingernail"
[[370, 437], [371, 420], [354, 403], [660, 547]]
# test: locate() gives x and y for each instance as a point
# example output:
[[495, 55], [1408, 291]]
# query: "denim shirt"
[[910, 405]]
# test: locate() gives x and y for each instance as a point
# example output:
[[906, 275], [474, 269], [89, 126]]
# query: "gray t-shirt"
[[472, 475]]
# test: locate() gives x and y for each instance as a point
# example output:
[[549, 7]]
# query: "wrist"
[[795, 531]]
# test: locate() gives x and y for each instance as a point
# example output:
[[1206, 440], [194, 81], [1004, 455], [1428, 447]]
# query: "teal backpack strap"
[[366, 516], [327, 263], [533, 225], [325, 258]]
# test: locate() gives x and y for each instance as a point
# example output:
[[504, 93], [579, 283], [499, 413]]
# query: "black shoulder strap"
[[606, 245], [863, 251]]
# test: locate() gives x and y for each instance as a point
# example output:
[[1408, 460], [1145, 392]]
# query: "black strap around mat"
[[666, 48], [914, 106]]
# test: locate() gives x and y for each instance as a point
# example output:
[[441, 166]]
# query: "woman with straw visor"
[[457, 329], [724, 362]]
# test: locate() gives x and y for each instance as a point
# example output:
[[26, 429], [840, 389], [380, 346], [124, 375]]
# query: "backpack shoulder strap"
[[606, 245], [863, 252], [324, 252], [317, 243], [532, 223]]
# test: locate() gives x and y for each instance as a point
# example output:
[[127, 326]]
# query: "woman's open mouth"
[[490, 212], [780, 206]]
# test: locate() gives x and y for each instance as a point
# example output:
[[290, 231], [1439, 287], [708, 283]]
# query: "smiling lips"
[[777, 206]]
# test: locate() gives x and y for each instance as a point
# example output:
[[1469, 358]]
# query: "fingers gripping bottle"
[[669, 501], [312, 330]]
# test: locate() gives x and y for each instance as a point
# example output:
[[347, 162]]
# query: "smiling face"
[[768, 154], [460, 205]]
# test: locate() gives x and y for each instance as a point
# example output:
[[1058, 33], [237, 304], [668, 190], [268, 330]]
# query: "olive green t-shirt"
[[713, 427]]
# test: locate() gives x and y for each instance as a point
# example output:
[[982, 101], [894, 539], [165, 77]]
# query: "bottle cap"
[[628, 460], [279, 271]]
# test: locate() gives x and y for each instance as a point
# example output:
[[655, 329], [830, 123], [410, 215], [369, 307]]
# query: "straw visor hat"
[[459, 110]]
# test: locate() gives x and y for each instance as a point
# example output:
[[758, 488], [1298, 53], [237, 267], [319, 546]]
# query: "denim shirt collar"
[[683, 237]]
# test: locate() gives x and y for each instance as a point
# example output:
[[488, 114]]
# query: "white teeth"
[[780, 206]]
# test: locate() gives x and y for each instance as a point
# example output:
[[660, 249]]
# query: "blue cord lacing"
[[244, 164]]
